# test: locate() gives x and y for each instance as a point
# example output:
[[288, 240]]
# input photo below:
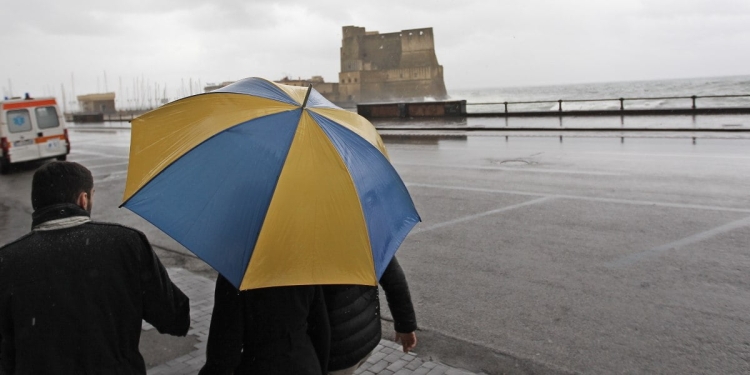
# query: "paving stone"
[[364, 366], [398, 365], [393, 357], [414, 364], [376, 356], [379, 366], [438, 370], [403, 371]]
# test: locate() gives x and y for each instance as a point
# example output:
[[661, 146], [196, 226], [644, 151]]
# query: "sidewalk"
[[387, 358]]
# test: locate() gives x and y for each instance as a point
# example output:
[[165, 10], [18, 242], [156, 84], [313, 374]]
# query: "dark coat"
[[72, 300], [278, 330], [354, 313]]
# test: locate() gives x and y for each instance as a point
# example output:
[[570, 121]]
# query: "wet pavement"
[[587, 254], [626, 123]]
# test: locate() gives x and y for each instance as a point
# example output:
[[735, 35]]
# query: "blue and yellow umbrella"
[[271, 185]]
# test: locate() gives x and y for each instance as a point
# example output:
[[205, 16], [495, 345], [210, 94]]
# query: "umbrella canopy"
[[271, 185]]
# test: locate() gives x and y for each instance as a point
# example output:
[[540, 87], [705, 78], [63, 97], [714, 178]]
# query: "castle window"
[[355, 80], [410, 34], [401, 75], [421, 32]]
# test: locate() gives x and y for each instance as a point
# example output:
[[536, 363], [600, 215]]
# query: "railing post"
[[506, 107], [693, 97], [559, 105], [622, 104]]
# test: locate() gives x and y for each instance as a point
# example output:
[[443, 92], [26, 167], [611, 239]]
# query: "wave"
[[612, 90]]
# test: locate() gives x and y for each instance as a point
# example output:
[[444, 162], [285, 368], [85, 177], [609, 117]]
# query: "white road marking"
[[106, 165], [522, 170], [636, 257], [482, 214], [100, 154], [110, 177], [584, 198]]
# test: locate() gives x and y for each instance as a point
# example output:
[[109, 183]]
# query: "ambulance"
[[31, 129]]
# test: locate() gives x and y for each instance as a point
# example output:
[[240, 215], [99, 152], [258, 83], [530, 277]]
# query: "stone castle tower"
[[384, 67]]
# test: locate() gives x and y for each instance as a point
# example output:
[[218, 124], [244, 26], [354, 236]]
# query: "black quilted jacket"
[[354, 313]]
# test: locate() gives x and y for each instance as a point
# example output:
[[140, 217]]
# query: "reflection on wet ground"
[[718, 122], [424, 139]]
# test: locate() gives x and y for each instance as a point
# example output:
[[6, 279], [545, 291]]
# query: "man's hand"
[[408, 340]]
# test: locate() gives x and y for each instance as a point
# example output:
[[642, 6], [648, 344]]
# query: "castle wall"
[[380, 67]]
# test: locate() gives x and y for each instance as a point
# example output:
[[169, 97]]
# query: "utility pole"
[[65, 107]]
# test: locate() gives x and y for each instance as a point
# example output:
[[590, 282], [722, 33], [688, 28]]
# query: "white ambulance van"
[[31, 129]]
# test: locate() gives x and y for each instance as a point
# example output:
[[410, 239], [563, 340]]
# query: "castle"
[[380, 68], [383, 67]]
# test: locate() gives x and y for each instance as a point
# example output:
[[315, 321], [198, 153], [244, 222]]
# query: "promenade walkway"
[[387, 359]]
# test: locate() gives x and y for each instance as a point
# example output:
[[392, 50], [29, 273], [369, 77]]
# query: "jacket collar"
[[57, 212]]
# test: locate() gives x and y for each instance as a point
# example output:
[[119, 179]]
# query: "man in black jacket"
[[354, 313], [73, 293], [269, 331]]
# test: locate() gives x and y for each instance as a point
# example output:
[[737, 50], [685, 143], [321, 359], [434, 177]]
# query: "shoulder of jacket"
[[112, 225], [115, 226], [17, 240]]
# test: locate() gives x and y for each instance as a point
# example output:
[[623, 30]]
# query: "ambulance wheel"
[[62, 157], [4, 166]]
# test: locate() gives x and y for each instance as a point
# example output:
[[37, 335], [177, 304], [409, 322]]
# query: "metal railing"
[[621, 100]]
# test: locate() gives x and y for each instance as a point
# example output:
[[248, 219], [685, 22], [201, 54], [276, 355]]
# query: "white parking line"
[[100, 154], [522, 170], [584, 198], [110, 177], [680, 156], [634, 258], [482, 214], [106, 165]]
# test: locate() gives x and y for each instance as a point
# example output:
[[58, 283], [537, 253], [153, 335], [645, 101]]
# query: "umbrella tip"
[[307, 96]]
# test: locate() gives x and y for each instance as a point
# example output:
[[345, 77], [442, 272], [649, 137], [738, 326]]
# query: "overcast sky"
[[47, 44]]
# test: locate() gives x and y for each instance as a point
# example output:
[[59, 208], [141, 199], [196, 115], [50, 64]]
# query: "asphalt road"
[[588, 255]]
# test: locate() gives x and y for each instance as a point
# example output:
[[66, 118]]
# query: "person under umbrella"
[[278, 330], [354, 313]]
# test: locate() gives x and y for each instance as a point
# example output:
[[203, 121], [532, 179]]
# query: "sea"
[[637, 95], [653, 94]]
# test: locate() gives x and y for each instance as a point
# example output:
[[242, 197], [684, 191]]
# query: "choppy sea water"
[[738, 85]]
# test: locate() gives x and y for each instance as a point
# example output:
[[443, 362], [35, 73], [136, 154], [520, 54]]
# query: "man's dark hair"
[[60, 182]]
